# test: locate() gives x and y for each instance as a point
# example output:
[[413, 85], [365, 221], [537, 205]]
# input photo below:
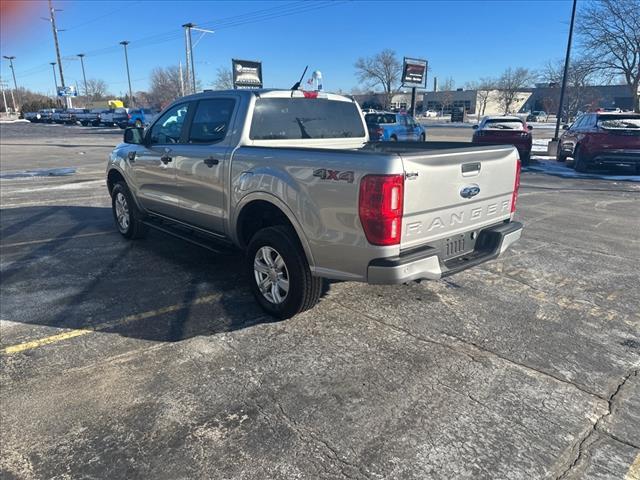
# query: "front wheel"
[[579, 161], [279, 274], [125, 213], [423, 138]]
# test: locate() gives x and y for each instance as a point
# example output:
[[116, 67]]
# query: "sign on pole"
[[69, 91], [246, 73], [414, 73]]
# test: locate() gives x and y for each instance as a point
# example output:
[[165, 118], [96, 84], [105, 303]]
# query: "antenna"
[[296, 86]]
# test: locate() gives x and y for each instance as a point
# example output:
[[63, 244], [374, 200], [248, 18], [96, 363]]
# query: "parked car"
[[394, 127], [430, 113], [293, 181], [33, 117], [511, 130], [141, 117], [538, 116], [73, 114], [601, 139], [46, 115], [115, 116], [90, 117]]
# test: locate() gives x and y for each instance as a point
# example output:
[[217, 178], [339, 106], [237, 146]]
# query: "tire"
[[525, 159], [138, 124], [84, 124], [275, 254], [579, 162], [126, 215], [560, 157], [393, 138], [423, 137]]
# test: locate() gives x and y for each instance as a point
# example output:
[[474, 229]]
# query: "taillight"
[[129, 116], [380, 208], [516, 186]]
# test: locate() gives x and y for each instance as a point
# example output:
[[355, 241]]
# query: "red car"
[[505, 130], [602, 138]]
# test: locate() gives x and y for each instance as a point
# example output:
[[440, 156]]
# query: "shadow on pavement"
[[67, 267]]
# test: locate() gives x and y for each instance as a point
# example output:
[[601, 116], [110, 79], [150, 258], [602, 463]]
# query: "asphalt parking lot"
[[149, 359]]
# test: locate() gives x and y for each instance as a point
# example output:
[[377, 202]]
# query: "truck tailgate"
[[456, 191]]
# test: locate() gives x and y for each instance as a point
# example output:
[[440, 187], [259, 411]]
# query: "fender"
[[270, 198]]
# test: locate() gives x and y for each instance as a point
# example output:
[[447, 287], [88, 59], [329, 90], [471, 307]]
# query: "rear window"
[[380, 118], [507, 124], [620, 121], [303, 118]]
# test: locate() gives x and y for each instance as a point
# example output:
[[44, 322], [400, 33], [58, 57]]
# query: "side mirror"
[[134, 136], [475, 127], [529, 127], [565, 127]]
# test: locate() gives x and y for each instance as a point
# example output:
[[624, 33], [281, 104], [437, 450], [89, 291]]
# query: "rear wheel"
[[525, 158], [423, 137], [126, 215], [394, 138], [279, 274], [579, 160]]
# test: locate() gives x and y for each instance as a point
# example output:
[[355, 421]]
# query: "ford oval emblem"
[[470, 191]]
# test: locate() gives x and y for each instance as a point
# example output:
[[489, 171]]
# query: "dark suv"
[[602, 139]]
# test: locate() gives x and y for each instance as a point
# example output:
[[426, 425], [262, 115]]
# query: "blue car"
[[141, 117], [394, 127]]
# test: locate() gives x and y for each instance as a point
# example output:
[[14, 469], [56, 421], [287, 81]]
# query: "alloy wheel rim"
[[122, 212], [271, 275]]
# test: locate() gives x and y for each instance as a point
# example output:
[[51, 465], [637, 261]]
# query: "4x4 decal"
[[337, 175]]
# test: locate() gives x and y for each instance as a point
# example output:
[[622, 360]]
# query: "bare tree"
[[224, 79], [582, 72], [165, 86], [96, 89], [483, 89], [510, 84], [609, 32], [448, 85], [383, 69]]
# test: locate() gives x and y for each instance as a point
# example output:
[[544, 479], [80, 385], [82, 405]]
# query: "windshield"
[[380, 118], [298, 118], [506, 124], [619, 121]]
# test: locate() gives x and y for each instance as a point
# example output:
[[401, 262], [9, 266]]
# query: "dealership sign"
[[67, 91], [414, 73], [246, 73]]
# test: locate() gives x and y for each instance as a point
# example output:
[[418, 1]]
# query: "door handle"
[[210, 162]]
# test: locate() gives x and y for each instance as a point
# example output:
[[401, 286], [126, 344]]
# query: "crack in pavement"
[[581, 445], [468, 345]]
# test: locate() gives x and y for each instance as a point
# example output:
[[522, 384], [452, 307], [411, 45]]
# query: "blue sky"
[[464, 40]]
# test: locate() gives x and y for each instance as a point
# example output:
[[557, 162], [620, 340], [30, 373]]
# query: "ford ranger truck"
[[291, 179]]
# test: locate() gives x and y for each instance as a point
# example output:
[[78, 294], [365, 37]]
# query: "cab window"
[[211, 120], [168, 128]]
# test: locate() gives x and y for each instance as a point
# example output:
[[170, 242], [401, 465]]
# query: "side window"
[[168, 128], [211, 120]]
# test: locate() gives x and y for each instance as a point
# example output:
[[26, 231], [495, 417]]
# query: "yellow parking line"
[[55, 239], [21, 347], [634, 470]]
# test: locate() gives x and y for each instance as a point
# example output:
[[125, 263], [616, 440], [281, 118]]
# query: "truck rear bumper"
[[427, 264]]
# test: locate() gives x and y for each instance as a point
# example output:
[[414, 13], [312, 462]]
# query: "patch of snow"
[[548, 165]]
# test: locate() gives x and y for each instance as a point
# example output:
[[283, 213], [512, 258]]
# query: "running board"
[[220, 248]]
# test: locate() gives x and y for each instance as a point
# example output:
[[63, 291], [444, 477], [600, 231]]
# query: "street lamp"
[[84, 77], [15, 85], [124, 43]]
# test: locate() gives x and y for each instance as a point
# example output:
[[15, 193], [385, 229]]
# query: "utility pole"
[[189, 51], [55, 83], [124, 43], [4, 97], [15, 85], [52, 19], [84, 76]]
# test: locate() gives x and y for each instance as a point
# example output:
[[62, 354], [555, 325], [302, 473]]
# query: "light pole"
[[566, 68], [124, 43], [84, 76], [15, 84]]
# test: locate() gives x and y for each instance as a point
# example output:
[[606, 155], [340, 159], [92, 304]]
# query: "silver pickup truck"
[[291, 178]]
